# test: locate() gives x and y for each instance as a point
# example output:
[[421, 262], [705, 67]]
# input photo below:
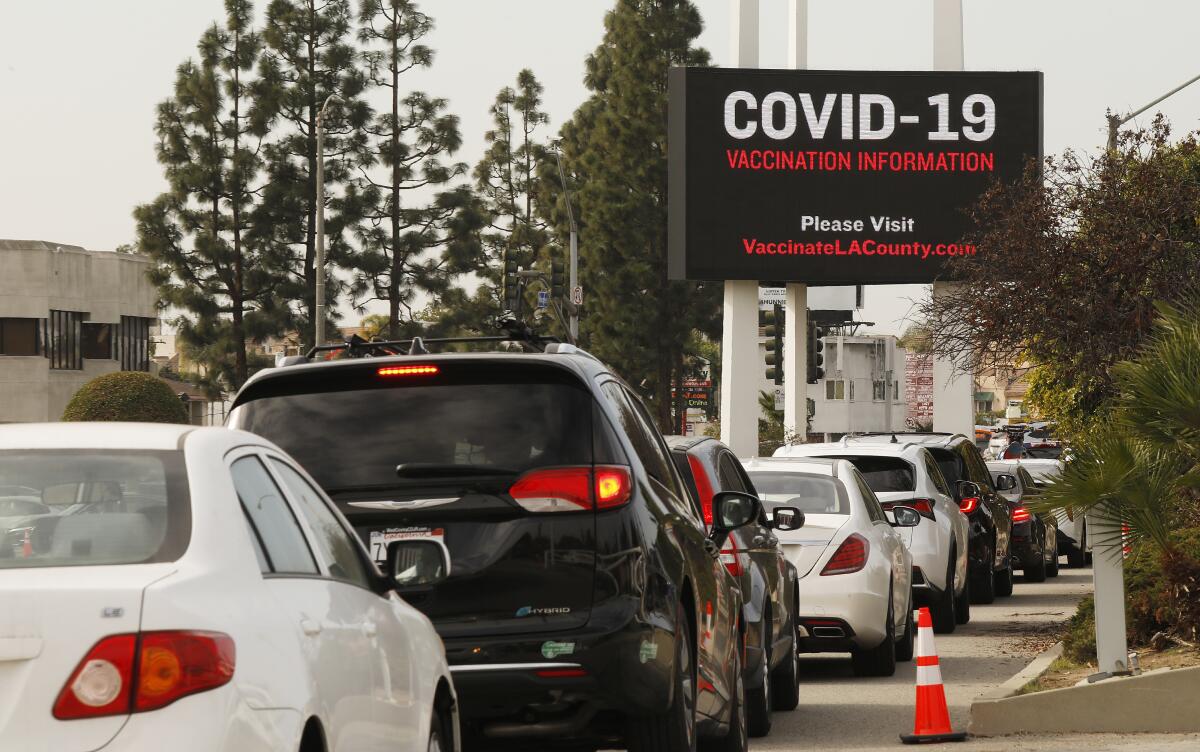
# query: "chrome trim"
[[388, 506], [472, 668]]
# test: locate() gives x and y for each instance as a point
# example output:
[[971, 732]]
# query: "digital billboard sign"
[[838, 177]]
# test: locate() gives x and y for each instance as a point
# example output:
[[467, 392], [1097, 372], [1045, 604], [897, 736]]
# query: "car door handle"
[[369, 629], [310, 627]]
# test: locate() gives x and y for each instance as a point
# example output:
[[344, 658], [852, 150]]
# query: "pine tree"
[[207, 263], [309, 56], [616, 148], [410, 210]]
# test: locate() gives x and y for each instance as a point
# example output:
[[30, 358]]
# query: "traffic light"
[[772, 324], [815, 358], [512, 284], [558, 280]]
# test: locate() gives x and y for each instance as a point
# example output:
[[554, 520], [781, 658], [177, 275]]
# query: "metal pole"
[[572, 309], [320, 281]]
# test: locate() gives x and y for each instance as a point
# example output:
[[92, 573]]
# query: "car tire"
[[1004, 580], [737, 739], [907, 644], [1052, 565], [674, 729], [759, 699], [962, 603], [983, 587], [437, 739], [785, 679], [1037, 572], [942, 612], [879, 660]]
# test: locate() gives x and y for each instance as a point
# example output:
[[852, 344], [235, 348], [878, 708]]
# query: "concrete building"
[[67, 315], [863, 388]]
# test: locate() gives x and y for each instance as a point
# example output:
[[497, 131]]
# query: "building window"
[[133, 343], [64, 330], [879, 390], [98, 341], [19, 336], [835, 389]]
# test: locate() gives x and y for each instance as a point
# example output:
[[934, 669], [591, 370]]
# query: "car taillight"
[[703, 487], [171, 665], [561, 673], [729, 557], [1021, 514], [851, 556], [422, 369], [572, 489], [969, 504], [924, 506]]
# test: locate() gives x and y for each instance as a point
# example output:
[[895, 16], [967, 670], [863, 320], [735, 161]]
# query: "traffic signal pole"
[[740, 363]]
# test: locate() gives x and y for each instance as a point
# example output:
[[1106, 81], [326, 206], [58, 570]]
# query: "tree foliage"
[[1071, 259], [615, 147]]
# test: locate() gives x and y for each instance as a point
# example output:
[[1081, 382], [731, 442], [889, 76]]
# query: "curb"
[[1035, 669]]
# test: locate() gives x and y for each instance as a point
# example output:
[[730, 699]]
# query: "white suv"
[[906, 474]]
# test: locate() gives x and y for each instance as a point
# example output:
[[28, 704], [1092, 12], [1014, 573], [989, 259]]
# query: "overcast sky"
[[79, 80]]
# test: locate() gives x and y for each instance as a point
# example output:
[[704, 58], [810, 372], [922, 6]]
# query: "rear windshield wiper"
[[449, 470]]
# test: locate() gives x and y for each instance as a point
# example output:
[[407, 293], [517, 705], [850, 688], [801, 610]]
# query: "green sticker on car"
[[551, 649]]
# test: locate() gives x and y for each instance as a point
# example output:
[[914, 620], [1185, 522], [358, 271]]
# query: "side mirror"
[[731, 510], [968, 490], [1005, 482], [787, 519], [905, 517], [417, 563]]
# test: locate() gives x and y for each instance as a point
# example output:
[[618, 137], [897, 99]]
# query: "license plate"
[[381, 538]]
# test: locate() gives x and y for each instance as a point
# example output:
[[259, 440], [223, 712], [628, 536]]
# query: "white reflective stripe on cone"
[[925, 642], [929, 675]]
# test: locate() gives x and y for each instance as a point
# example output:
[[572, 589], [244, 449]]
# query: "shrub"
[[1079, 643], [126, 396]]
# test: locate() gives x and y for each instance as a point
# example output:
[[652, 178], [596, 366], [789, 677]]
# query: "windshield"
[[811, 494], [1043, 473], [884, 474], [90, 507], [357, 437]]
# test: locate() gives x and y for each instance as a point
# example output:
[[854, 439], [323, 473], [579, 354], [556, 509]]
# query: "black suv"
[[584, 603], [989, 559]]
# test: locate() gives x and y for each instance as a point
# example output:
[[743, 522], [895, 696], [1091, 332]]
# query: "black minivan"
[[583, 602]]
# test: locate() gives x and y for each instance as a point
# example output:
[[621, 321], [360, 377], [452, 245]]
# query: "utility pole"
[[1116, 121], [572, 308], [320, 291]]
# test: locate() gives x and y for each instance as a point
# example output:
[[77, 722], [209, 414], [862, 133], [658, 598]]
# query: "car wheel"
[[737, 740], [880, 660], [1037, 572], [904, 648], [1052, 564], [437, 743], [758, 699], [983, 588], [785, 679], [962, 603], [1004, 580], [943, 610], [676, 728]]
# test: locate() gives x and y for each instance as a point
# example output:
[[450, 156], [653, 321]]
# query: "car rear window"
[[487, 420], [811, 494], [884, 474], [92, 507]]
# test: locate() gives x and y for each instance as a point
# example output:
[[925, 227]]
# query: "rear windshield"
[[90, 507], [356, 437], [811, 494], [884, 474], [1043, 473]]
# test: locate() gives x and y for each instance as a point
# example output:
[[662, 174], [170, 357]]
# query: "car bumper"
[[1025, 547], [210, 722], [850, 601]]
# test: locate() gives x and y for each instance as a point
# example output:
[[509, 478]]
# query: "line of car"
[[406, 550]]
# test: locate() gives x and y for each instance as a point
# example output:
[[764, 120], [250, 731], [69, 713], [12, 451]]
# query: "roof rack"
[[357, 347]]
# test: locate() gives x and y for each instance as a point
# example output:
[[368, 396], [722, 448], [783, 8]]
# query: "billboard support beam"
[[795, 330], [739, 332]]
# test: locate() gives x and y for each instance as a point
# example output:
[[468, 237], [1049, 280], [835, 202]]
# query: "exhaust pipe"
[[828, 632]]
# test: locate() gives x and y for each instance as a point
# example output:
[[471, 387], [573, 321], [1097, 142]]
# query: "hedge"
[[126, 396]]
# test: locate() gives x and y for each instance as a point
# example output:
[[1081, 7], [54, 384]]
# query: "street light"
[[320, 291], [1116, 121]]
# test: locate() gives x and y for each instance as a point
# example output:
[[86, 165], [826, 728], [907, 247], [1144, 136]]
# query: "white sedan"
[[855, 569], [207, 596]]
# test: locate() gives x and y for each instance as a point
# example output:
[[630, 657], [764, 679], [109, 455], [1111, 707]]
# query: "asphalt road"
[[839, 711]]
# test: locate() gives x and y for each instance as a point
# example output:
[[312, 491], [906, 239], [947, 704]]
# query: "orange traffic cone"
[[933, 719], [27, 547]]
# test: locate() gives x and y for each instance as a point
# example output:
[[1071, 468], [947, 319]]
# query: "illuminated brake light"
[[703, 488], [572, 489], [969, 504], [730, 558], [171, 665], [850, 557], [425, 369], [1021, 514]]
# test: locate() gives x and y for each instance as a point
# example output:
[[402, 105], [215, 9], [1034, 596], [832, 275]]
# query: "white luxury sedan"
[[192, 589], [855, 569]]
